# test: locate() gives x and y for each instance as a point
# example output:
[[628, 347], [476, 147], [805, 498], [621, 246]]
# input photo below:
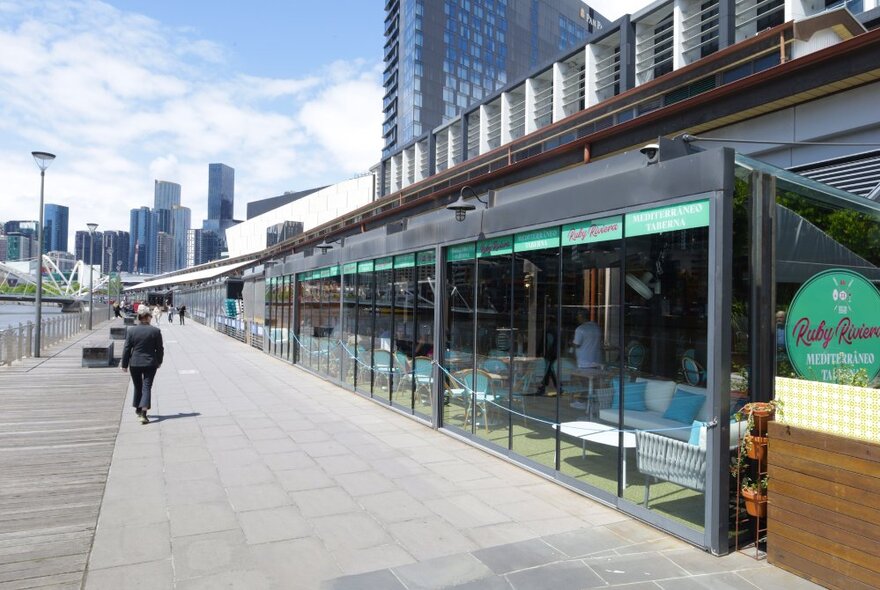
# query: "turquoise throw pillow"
[[695, 433], [634, 394], [684, 406]]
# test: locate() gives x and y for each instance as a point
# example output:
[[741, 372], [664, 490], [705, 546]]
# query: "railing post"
[[30, 338], [20, 340]]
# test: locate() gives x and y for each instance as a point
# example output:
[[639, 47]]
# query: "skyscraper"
[[119, 241], [139, 240], [221, 191], [165, 194], [441, 57], [55, 228], [89, 250], [161, 223], [181, 220]]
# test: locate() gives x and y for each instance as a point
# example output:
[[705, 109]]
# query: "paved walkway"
[[256, 475]]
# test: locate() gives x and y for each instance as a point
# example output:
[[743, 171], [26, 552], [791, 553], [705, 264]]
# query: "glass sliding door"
[[533, 343], [663, 391], [589, 366], [458, 356], [423, 349], [330, 328]]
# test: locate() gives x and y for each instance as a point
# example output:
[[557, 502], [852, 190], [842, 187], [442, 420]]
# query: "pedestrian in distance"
[[181, 311], [142, 356], [170, 314], [157, 313]]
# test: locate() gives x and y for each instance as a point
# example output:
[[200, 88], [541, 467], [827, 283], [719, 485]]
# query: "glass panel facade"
[[365, 316], [458, 358], [423, 352]]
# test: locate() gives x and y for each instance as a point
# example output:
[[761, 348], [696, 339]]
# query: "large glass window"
[[365, 313], [404, 329], [330, 318], [459, 354], [663, 390], [590, 350], [423, 351], [384, 369], [534, 342], [348, 336]]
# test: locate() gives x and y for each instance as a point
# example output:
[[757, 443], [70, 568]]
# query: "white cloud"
[[122, 99]]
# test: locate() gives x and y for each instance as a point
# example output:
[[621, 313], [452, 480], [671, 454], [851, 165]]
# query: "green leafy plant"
[[758, 487], [847, 374]]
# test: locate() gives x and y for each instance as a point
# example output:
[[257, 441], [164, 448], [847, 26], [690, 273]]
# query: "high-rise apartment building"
[[55, 228], [25, 228], [164, 253], [161, 224], [442, 56], [139, 237], [202, 246], [221, 191], [165, 194]]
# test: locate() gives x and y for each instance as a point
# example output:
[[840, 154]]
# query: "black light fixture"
[[327, 245], [461, 207]]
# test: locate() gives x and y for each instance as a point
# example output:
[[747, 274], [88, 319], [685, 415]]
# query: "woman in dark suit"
[[143, 353]]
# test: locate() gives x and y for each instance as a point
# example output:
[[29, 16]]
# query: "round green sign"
[[834, 323]]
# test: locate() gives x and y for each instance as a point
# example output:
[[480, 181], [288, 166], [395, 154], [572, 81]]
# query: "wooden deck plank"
[[58, 428]]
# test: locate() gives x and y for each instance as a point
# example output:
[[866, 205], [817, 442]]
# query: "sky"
[[128, 91]]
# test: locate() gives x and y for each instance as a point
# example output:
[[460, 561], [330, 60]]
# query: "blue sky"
[[128, 91]]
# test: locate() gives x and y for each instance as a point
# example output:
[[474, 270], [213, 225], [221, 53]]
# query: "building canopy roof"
[[198, 275]]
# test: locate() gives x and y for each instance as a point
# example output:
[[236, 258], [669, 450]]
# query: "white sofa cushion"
[[658, 394]]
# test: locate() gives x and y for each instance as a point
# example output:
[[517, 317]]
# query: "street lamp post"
[[119, 282], [92, 227], [43, 159], [109, 277]]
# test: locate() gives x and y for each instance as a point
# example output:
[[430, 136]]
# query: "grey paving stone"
[[249, 579], [581, 542], [190, 470], [490, 583], [349, 531], [270, 433], [499, 534], [324, 502], [628, 569], [209, 554], [772, 578], [258, 496], [379, 580], [245, 475], [518, 556], [273, 524], [197, 519], [236, 457], [441, 572], [358, 561], [184, 454], [571, 575], [430, 538], [130, 512], [694, 561], [338, 464], [138, 576], [226, 443], [119, 546], [322, 449], [364, 483], [396, 506], [725, 581], [300, 563], [466, 511], [275, 445], [288, 460], [297, 480], [196, 491]]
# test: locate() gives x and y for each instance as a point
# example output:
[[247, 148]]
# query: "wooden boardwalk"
[[58, 426]]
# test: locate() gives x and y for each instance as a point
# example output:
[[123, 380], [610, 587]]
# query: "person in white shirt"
[[587, 342]]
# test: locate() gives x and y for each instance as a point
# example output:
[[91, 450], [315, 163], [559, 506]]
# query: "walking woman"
[[143, 353]]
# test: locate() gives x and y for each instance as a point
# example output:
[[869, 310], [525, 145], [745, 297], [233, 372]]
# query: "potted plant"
[[758, 414], [754, 494]]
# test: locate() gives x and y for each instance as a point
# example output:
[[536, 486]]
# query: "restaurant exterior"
[[600, 325]]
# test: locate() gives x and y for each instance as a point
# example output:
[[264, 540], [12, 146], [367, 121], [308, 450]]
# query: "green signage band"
[[350, 268], [592, 231], [425, 258], [495, 247], [386, 263], [365, 266], [461, 252], [536, 240], [833, 326], [405, 261], [663, 219]]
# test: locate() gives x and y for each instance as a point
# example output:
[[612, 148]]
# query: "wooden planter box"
[[824, 509]]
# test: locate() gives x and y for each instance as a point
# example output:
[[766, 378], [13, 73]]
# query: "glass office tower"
[[166, 195], [441, 57], [55, 228], [221, 191]]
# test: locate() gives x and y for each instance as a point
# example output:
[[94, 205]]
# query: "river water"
[[13, 314]]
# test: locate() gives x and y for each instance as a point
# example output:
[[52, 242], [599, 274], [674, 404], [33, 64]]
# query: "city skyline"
[[129, 92]]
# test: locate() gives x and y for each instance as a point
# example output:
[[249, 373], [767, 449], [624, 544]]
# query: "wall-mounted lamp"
[[327, 245], [461, 207]]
